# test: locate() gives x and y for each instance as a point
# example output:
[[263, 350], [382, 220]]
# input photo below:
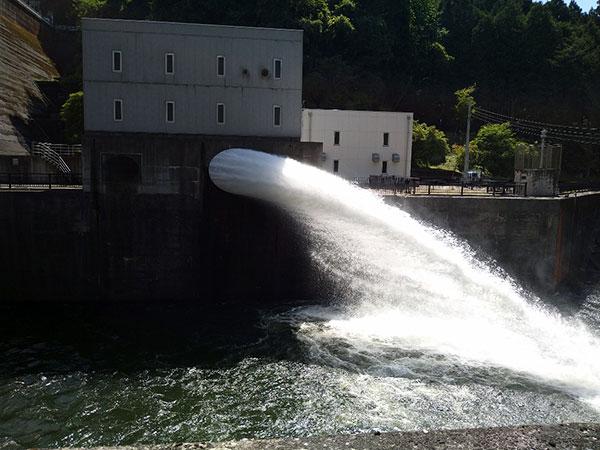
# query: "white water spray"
[[414, 288]]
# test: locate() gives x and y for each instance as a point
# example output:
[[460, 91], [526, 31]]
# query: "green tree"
[[493, 150], [430, 145], [71, 114], [89, 8], [463, 97], [499, 49]]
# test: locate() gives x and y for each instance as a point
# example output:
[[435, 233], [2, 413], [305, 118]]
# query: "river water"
[[415, 334]]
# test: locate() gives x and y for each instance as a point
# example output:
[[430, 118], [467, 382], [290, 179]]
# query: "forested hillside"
[[532, 61]]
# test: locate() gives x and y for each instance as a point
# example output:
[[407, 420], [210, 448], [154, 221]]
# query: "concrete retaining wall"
[[59, 245], [540, 241], [70, 245]]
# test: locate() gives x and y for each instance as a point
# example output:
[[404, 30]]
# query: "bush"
[[71, 114]]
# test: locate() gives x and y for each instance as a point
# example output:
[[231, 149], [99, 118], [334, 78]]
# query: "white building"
[[181, 78], [361, 143]]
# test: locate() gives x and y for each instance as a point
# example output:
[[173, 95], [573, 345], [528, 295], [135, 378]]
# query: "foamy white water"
[[411, 288]]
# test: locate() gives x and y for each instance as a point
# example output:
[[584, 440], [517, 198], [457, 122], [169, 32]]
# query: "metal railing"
[[40, 180], [386, 183], [61, 149], [483, 187], [414, 186], [50, 153]]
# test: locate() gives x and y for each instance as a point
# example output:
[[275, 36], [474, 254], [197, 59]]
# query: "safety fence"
[[40, 180], [414, 186]]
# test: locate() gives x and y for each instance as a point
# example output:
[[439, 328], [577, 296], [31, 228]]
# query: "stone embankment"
[[571, 436]]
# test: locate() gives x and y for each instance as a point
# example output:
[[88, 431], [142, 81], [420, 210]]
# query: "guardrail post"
[[462, 186], [9, 182], [49, 181], [428, 189]]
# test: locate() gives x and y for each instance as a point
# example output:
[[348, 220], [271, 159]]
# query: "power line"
[[542, 124], [532, 128], [565, 133]]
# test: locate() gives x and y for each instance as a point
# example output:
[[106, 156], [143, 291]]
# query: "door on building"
[[384, 167]]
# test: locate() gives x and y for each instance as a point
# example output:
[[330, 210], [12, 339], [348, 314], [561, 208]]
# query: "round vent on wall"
[[265, 72]]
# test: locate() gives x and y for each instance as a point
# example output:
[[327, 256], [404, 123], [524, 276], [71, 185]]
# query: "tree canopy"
[[430, 145], [493, 150]]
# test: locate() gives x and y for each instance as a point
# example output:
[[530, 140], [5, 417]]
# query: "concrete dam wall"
[[540, 241], [58, 246], [69, 245]]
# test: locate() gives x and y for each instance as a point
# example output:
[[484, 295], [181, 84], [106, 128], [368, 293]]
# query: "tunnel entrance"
[[122, 173]]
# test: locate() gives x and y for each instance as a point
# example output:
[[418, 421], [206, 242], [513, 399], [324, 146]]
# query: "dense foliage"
[[493, 150], [530, 60], [71, 114], [430, 146]]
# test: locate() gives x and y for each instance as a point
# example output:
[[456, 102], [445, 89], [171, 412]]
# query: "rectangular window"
[[336, 165], [277, 115], [116, 61], [386, 139], [220, 66], [170, 112], [169, 63], [118, 109], [277, 69], [384, 167], [336, 138], [220, 113]]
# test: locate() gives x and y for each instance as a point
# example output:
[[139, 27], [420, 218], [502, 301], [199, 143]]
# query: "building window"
[[336, 138], [384, 167], [386, 139], [220, 66], [170, 112], [116, 61], [277, 115], [169, 63], [277, 69], [118, 109], [220, 113], [336, 165]]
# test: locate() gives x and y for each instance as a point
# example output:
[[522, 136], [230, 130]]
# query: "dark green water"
[[107, 375]]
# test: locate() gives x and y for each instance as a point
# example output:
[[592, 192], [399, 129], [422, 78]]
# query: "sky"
[[585, 5]]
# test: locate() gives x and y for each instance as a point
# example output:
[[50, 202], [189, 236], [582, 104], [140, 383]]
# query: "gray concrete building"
[[160, 99], [159, 77]]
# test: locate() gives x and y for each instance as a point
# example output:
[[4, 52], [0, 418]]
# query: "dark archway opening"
[[121, 174]]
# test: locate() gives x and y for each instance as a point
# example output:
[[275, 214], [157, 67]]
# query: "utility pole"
[[466, 171], [543, 136]]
